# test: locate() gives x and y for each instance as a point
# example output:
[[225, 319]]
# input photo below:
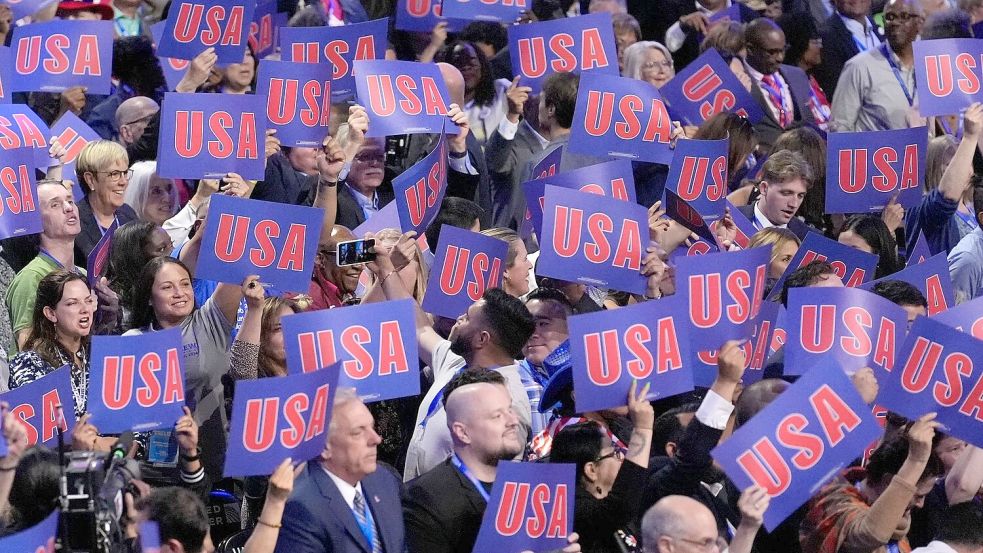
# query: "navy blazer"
[[317, 519], [838, 48], [768, 129], [91, 234], [796, 225]]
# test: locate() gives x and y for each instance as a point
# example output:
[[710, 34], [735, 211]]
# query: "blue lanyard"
[[44, 253], [897, 74], [860, 45], [892, 547], [432, 408], [968, 219], [369, 528], [456, 461]]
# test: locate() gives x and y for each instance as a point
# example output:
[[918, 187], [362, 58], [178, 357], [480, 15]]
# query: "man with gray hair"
[[677, 523], [132, 117]]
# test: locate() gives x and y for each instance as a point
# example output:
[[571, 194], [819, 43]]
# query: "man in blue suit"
[[345, 502]]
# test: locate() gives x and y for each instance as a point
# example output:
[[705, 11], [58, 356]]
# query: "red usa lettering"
[[73, 143], [853, 176], [569, 223], [58, 56], [421, 8], [768, 468], [26, 133], [857, 277], [948, 390], [384, 100], [618, 189], [125, 379], [935, 295], [693, 183], [191, 130], [261, 33], [214, 27], [421, 197], [945, 74], [233, 235], [708, 305], [605, 364], [289, 100], [599, 116], [16, 183], [861, 338], [704, 83], [334, 52], [292, 421], [49, 418], [562, 51], [754, 350], [318, 350], [485, 272], [548, 506]]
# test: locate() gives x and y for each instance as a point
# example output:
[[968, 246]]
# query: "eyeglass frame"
[[720, 543], [617, 453], [128, 173]]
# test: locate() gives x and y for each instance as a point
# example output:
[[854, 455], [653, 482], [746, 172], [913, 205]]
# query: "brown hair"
[[271, 309], [43, 337]]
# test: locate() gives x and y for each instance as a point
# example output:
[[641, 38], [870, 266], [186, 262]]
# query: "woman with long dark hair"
[[868, 233], [134, 244]]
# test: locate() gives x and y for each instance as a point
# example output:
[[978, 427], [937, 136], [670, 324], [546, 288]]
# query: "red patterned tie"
[[775, 95]]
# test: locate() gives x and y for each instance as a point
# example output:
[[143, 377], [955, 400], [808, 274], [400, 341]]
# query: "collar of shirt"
[[346, 489], [763, 221], [363, 202], [862, 32], [120, 16], [542, 140], [758, 75], [704, 11]]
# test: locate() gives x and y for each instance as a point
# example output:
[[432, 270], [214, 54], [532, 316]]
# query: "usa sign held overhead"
[[853, 266], [423, 15], [966, 317], [298, 100], [865, 170], [757, 349], [402, 97], [19, 214], [613, 179], [932, 279], [374, 346], [420, 189], [263, 29], [58, 55], [20, 127], [707, 87], [465, 265], [73, 134], [505, 11], [952, 73], [339, 46], [194, 25], [698, 175]]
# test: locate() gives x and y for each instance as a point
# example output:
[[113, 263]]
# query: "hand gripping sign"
[[530, 508], [39, 538], [279, 417], [724, 293], [192, 26], [466, 264], [855, 328], [698, 175], [612, 178], [420, 189], [44, 405], [19, 214], [853, 266], [593, 240], [966, 317], [402, 97], [571, 45], [298, 100], [932, 279], [707, 87], [208, 135], [244, 237], [866, 170], [374, 346], [137, 381], [800, 440], [644, 342], [58, 55], [939, 371], [620, 118], [952, 72], [340, 47], [73, 134], [20, 127]]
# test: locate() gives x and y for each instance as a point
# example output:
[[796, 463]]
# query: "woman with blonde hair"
[[784, 244], [415, 274], [515, 280]]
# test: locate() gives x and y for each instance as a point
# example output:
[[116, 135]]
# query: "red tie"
[[775, 95], [334, 8]]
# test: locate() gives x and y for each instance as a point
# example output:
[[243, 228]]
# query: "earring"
[[598, 488]]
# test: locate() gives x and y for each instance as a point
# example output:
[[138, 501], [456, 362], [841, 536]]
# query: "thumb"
[[515, 82]]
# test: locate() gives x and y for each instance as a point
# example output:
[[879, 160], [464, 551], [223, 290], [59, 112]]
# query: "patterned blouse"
[[28, 366]]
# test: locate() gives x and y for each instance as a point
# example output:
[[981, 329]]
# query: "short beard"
[[461, 345]]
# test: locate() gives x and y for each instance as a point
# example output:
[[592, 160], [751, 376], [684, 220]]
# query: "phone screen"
[[355, 251]]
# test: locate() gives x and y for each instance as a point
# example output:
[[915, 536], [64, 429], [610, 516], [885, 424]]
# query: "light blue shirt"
[[369, 205], [966, 267]]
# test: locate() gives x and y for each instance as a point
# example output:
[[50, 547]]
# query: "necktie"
[[363, 522], [775, 95], [334, 9]]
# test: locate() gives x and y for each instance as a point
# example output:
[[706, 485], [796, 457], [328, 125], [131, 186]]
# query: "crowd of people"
[[414, 474]]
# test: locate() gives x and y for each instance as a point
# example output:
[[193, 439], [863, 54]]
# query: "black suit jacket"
[[796, 225], [768, 129], [282, 183], [506, 161], [350, 214], [90, 235], [838, 47], [690, 50], [317, 519], [443, 512]]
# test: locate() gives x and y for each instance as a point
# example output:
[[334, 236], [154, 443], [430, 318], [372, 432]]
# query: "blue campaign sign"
[[593, 240], [938, 371], [756, 350], [865, 170], [208, 135], [402, 97], [950, 69], [137, 381], [149, 532], [682, 212], [339, 46], [298, 100], [6, 62], [549, 165], [39, 538], [850, 264], [467, 263], [620, 118], [579, 44], [57, 55], [800, 440], [420, 189], [966, 317], [503, 11], [853, 327], [612, 178], [44, 405], [374, 344], [530, 508], [932, 279], [246, 237], [724, 293], [646, 342], [698, 175], [19, 214], [195, 25], [174, 69], [21, 127], [422, 16], [262, 29], [920, 252], [73, 134], [707, 87], [23, 8], [279, 417]]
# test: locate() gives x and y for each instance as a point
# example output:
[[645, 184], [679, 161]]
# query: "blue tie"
[[367, 526]]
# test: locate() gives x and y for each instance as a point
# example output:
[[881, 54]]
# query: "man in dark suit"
[[367, 188], [345, 502], [845, 34], [781, 90], [785, 178], [684, 23]]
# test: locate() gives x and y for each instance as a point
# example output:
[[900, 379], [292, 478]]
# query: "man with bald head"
[[132, 117], [876, 90], [782, 91], [333, 285], [679, 524]]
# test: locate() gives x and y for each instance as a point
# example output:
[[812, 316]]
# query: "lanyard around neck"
[[910, 96]]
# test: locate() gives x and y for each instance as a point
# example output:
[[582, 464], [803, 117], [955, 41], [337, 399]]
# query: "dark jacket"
[[506, 161], [690, 50], [90, 235], [796, 225], [768, 129], [838, 47], [350, 214], [282, 183], [597, 520], [443, 512]]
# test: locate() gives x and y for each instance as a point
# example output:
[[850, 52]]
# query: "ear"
[[671, 449], [171, 546], [49, 314], [483, 339], [89, 178], [590, 472], [763, 187], [124, 132], [460, 432]]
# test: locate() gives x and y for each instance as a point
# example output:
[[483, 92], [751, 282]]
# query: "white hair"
[[138, 190], [635, 57]]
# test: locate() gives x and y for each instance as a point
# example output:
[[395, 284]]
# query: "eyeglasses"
[[903, 17], [618, 454], [144, 119], [115, 176], [657, 64], [371, 157], [709, 544]]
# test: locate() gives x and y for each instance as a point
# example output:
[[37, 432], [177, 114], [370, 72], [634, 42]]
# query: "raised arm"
[[966, 477], [330, 161], [955, 180], [264, 536]]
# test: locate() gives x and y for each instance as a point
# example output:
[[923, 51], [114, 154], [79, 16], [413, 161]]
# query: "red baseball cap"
[[103, 8]]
